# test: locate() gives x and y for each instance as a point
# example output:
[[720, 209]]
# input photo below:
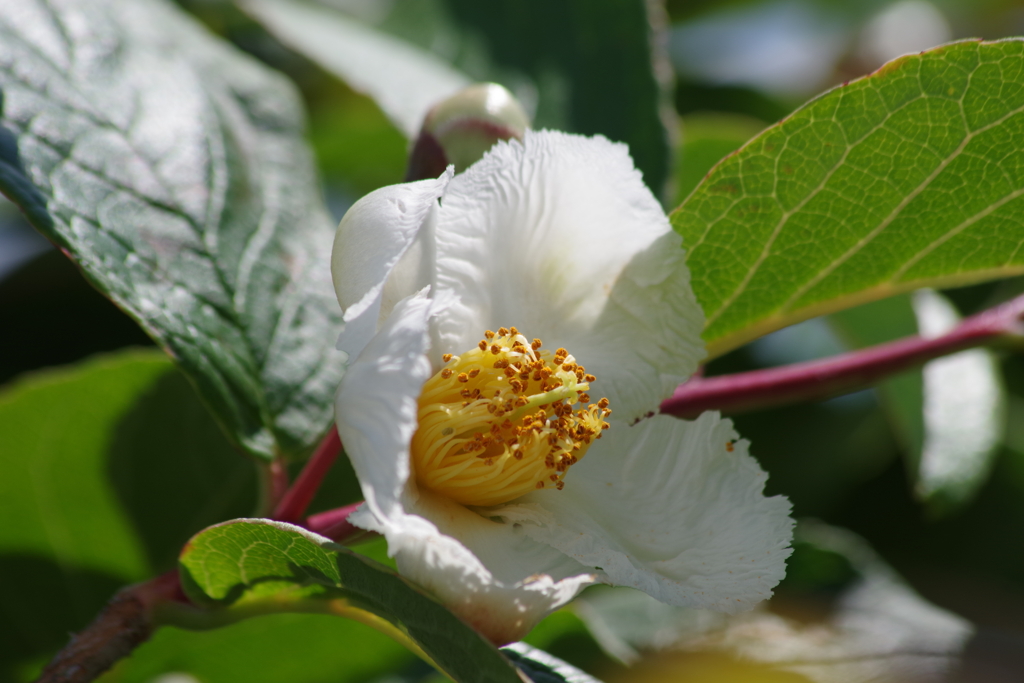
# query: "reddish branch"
[[124, 624], [840, 374], [294, 503]]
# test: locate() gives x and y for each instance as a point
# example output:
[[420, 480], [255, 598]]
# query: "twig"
[[125, 623], [334, 524], [294, 503], [841, 374]]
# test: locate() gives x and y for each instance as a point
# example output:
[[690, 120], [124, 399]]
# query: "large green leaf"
[[106, 469], [297, 648], [587, 66], [909, 177], [175, 175], [402, 78], [250, 567]]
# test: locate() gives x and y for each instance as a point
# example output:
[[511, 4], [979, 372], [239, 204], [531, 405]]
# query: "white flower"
[[559, 237]]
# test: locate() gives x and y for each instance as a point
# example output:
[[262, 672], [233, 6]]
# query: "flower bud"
[[460, 129]]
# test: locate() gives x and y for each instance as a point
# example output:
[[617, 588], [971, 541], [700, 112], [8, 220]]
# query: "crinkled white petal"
[[665, 507], [372, 238], [493, 576], [377, 402], [559, 236]]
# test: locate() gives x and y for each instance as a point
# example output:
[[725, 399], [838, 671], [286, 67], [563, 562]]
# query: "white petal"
[[497, 579], [376, 403], [665, 507], [370, 242], [494, 577], [559, 237]]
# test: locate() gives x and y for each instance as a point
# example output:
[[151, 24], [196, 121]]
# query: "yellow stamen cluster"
[[499, 420]]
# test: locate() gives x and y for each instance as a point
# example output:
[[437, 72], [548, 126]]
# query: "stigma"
[[503, 419]]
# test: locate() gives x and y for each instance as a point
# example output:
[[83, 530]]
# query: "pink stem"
[[334, 524], [294, 503], [278, 482], [841, 374]]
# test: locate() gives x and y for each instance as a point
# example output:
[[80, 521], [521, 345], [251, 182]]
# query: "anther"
[[446, 357], [463, 377], [446, 373]]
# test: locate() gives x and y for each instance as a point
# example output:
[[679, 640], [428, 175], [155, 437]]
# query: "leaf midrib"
[[229, 315]]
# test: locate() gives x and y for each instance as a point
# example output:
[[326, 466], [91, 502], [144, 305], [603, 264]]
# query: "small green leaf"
[[176, 177], [541, 667], [249, 567], [106, 469], [912, 176], [576, 62]]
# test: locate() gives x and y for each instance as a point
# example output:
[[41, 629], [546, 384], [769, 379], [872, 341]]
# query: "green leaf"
[[106, 469], [402, 78], [577, 62], [249, 567], [544, 668], [909, 177], [706, 138], [176, 177], [13, 182], [298, 648]]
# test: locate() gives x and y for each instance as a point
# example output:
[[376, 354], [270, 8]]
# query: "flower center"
[[499, 421]]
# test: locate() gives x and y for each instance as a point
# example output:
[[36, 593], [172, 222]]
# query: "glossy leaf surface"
[[175, 175]]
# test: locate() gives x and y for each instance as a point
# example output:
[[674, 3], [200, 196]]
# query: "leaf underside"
[[249, 567], [909, 177], [175, 175]]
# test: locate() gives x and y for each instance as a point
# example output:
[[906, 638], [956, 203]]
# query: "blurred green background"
[[735, 68]]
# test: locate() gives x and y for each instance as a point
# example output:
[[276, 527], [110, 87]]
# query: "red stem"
[[334, 524], [278, 484], [848, 372], [294, 503]]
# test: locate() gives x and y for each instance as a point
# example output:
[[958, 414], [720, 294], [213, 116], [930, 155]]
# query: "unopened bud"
[[460, 129]]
